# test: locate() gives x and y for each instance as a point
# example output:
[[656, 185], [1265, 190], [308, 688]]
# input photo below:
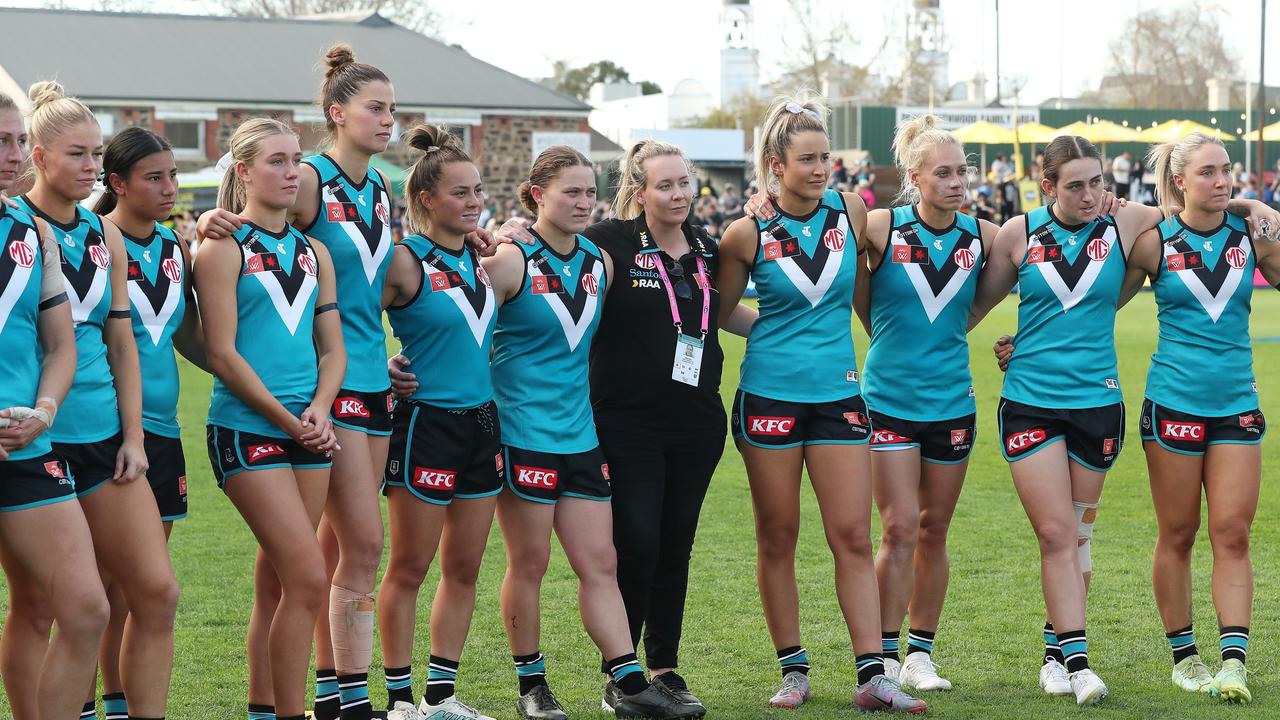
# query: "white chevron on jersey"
[[813, 291], [155, 322], [479, 324], [83, 307], [1213, 304], [18, 280], [573, 331], [289, 312], [934, 304], [370, 260], [1070, 297]]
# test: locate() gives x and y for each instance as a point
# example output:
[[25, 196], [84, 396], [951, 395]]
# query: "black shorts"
[[41, 480], [1094, 436], [232, 452], [1193, 434], [91, 464], [775, 424], [167, 474], [546, 477], [946, 442], [439, 454], [367, 412]]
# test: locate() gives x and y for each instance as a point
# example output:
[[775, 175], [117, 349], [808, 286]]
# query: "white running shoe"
[[450, 709], [1191, 675], [1053, 678], [1088, 687], [892, 668], [404, 711], [793, 693], [919, 673]]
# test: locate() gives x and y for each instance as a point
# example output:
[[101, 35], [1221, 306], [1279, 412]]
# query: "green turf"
[[988, 645]]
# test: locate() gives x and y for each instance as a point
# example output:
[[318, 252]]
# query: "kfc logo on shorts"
[[965, 259], [1024, 440], [959, 437], [834, 239], [1170, 430], [22, 254], [381, 211], [534, 477], [888, 437], [590, 284], [266, 450], [764, 425], [349, 407], [172, 269], [1098, 249], [1236, 257], [432, 479], [645, 261], [54, 468], [308, 264], [100, 256], [182, 484], [1108, 446]]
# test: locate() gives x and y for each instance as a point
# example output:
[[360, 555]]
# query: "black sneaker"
[[672, 684], [655, 704], [540, 704], [611, 696]]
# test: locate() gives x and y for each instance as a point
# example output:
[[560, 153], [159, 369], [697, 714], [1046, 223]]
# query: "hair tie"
[[798, 109], [433, 148], [224, 162]]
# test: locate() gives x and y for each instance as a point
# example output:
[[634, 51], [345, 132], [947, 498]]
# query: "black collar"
[[696, 236]]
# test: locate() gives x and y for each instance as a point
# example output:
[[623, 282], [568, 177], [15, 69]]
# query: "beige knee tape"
[[351, 627], [1084, 534]]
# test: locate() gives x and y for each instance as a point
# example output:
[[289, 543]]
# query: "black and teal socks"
[[89, 711], [793, 659], [531, 671], [353, 693], [869, 666], [327, 704], [920, 641], [1075, 648], [627, 674], [1182, 643], [1233, 640], [442, 678], [1052, 650], [889, 645], [114, 706], [262, 712], [399, 685]]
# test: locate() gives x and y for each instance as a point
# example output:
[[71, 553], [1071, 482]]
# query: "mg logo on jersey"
[[764, 425], [266, 450], [349, 407], [834, 239], [308, 264], [381, 211], [1170, 430], [888, 437], [1024, 440], [1236, 257], [1098, 249], [965, 259], [171, 269], [100, 256], [484, 276], [959, 437], [54, 468], [534, 477], [22, 254], [645, 261], [590, 284], [433, 479]]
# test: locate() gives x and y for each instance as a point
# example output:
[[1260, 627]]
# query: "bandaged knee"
[[1084, 533], [351, 627]]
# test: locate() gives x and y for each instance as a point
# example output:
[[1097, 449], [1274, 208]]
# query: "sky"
[[1052, 44]]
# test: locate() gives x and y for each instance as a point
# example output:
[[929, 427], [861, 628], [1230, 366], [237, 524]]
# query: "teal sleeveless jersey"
[[446, 330], [1204, 288], [354, 223], [21, 274], [1069, 283], [540, 348], [89, 413], [275, 304], [921, 295], [801, 347], [157, 301]]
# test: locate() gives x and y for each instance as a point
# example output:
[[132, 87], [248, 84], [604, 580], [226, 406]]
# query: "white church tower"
[[739, 59]]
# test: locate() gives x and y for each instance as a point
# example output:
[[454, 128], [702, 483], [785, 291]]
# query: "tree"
[[1162, 57], [578, 81], [417, 15], [744, 111], [821, 56]]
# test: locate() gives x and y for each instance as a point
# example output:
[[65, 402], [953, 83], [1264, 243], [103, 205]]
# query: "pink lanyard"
[[671, 294]]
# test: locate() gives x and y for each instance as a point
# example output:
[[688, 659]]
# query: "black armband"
[[53, 302], [118, 315], [326, 308]]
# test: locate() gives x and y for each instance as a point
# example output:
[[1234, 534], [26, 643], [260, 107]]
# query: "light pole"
[[1262, 93]]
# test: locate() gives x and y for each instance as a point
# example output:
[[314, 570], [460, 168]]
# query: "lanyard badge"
[[687, 365]]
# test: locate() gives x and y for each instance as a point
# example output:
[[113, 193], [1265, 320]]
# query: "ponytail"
[[245, 145], [439, 148], [1170, 159], [129, 147], [633, 178], [911, 144]]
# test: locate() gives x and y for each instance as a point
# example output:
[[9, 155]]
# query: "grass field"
[[988, 644]]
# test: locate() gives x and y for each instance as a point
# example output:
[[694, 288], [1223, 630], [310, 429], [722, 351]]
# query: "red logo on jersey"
[[1170, 430], [484, 276], [776, 249], [1044, 253], [333, 211], [258, 452], [764, 425], [1236, 257], [856, 418], [547, 285], [22, 254], [307, 263], [911, 254], [834, 239], [381, 211], [182, 484], [1184, 261], [1108, 446], [888, 437], [959, 437], [965, 258], [444, 280], [1024, 440], [645, 261], [534, 477], [590, 284], [261, 262], [433, 479], [172, 269], [54, 468], [100, 256], [349, 407], [1098, 249]]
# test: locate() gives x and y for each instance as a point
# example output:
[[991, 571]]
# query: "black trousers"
[[658, 488]]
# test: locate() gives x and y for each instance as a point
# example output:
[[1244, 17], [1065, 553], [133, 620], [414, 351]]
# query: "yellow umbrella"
[[1177, 129], [1102, 131], [1035, 133], [1270, 133], [985, 133]]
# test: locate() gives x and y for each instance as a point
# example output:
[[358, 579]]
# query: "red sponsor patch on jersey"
[[834, 239], [261, 262], [172, 269], [776, 249], [1170, 430], [1025, 440], [1044, 253], [590, 284], [22, 254], [547, 285], [1236, 257], [433, 479], [910, 254], [536, 477], [307, 263], [766, 425], [964, 259], [444, 280], [1184, 261], [100, 256], [1098, 249], [265, 450], [349, 407]]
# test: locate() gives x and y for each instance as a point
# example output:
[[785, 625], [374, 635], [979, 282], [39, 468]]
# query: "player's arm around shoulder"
[[506, 269], [1143, 263], [857, 209], [737, 257], [1000, 273]]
